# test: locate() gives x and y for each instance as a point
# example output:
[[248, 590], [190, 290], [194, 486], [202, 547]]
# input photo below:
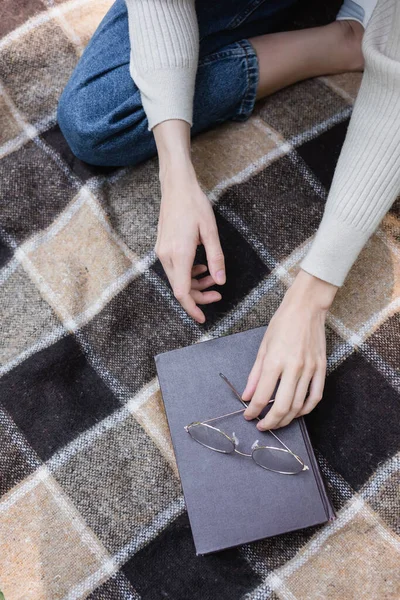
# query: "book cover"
[[229, 498]]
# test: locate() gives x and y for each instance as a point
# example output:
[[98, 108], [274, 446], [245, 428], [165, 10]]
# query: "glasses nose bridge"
[[243, 453]]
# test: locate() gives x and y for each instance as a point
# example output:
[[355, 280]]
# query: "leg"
[[287, 57], [100, 111]]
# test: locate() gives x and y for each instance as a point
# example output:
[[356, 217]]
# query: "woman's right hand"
[[186, 220]]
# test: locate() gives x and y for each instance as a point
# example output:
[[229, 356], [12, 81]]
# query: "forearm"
[[186, 219], [367, 176]]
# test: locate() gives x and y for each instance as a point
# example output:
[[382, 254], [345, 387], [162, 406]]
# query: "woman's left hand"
[[294, 350]]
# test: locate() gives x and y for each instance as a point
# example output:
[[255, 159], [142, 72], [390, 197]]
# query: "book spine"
[[330, 513]]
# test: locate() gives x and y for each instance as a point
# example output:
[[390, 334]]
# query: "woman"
[[157, 72]]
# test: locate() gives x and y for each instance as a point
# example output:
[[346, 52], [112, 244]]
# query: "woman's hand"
[[294, 350], [186, 220]]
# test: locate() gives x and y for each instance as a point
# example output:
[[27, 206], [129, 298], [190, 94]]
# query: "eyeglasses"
[[279, 460]]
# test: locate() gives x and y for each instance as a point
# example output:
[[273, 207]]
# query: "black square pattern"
[[169, 568], [17, 458], [322, 153], [55, 395], [5, 253], [81, 169], [355, 425]]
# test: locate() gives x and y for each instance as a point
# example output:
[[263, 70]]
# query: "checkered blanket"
[[91, 503]]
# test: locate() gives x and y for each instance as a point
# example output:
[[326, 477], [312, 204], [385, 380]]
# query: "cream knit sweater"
[[164, 41]]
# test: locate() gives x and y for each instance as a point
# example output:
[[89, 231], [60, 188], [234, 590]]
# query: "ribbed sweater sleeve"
[[367, 176], [164, 41]]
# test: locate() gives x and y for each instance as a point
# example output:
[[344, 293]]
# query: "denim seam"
[[247, 104]]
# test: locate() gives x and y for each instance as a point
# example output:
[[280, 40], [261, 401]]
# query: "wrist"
[[177, 173], [172, 139], [179, 162], [316, 292]]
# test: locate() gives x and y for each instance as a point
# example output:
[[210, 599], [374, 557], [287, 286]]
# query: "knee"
[[77, 127], [90, 135]]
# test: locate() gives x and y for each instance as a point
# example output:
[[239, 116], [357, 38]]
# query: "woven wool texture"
[[91, 503]]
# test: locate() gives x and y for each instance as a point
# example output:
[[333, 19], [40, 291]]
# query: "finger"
[[215, 256], [198, 270], [316, 390], [299, 397], [264, 390], [283, 400], [253, 378], [203, 283], [205, 297], [190, 306], [182, 263]]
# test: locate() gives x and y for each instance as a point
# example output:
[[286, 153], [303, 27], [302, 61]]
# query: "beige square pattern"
[[356, 562], [222, 153], [151, 415], [78, 261], [35, 529], [84, 18], [345, 84]]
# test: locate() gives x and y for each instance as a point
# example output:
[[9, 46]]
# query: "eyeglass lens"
[[211, 438], [275, 459]]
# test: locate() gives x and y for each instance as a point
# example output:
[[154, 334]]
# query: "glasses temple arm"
[[234, 390], [222, 416]]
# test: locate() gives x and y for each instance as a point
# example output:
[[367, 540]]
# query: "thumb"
[[215, 255]]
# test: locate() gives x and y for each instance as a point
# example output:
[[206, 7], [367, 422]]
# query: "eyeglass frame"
[[255, 445]]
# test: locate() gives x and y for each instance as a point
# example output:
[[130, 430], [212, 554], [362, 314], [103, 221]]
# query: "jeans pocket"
[[244, 13]]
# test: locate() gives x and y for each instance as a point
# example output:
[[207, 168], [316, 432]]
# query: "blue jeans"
[[100, 111]]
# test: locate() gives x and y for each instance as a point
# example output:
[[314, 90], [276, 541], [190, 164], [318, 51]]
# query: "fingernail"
[[247, 417], [220, 276], [260, 427]]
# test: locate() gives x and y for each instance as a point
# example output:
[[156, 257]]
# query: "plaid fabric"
[[91, 504]]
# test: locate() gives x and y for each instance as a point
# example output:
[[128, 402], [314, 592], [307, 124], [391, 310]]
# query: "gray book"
[[230, 499]]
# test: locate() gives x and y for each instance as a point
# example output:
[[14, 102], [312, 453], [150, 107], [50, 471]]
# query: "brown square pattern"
[[25, 319], [137, 483], [372, 284], [299, 108], [16, 12], [35, 68], [132, 203], [345, 84], [9, 128]]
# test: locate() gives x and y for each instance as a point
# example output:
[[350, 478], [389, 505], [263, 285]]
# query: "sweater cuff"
[[334, 250], [166, 94]]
